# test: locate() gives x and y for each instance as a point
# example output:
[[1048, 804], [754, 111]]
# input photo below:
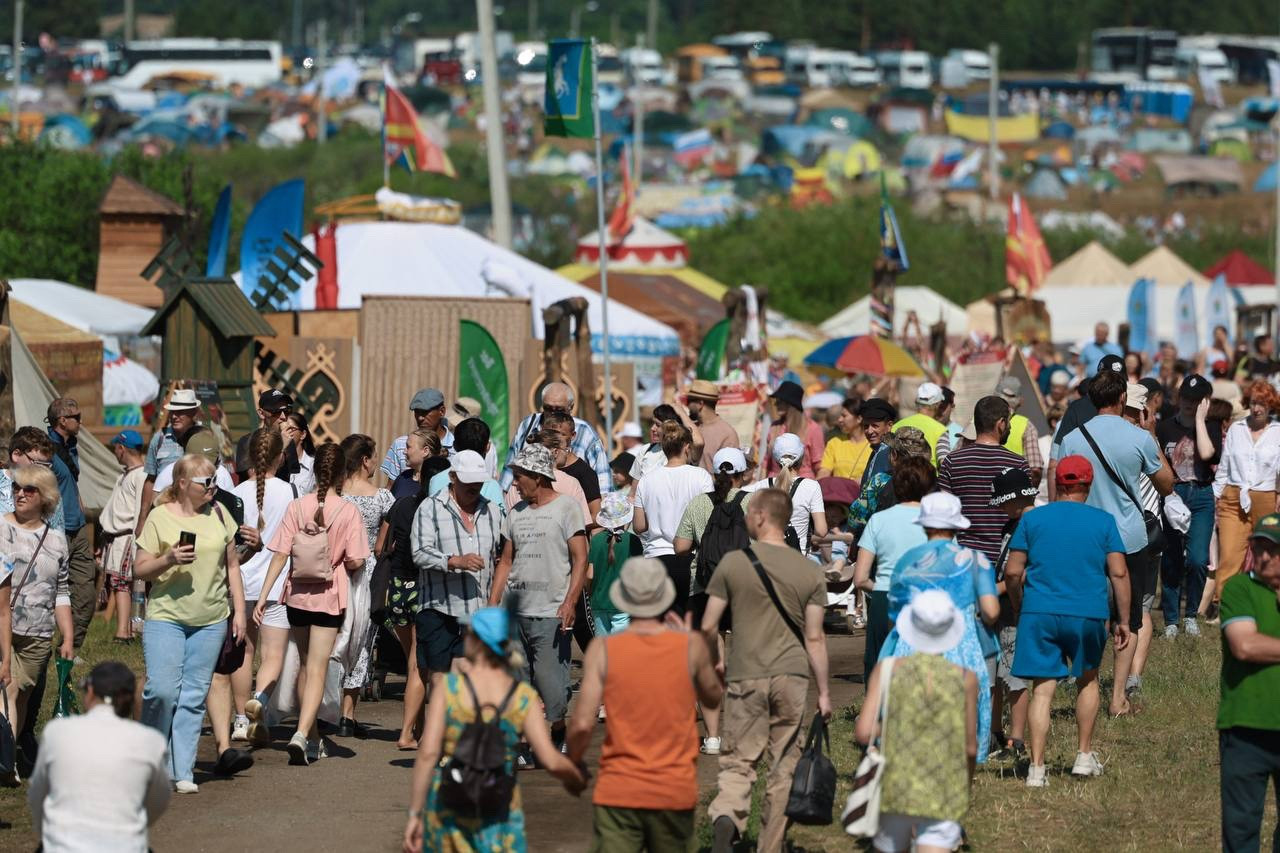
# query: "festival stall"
[[1166, 269]]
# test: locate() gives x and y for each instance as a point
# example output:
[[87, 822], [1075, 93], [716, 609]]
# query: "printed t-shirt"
[[1179, 443], [564, 484], [1249, 690], [664, 494], [347, 541], [541, 564], [889, 534], [195, 594], [1066, 544]]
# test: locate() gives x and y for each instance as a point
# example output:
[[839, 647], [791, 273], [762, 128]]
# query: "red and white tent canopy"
[[646, 245]]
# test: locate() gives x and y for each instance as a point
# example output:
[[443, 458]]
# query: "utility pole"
[[615, 30], [533, 20], [17, 66], [636, 85], [128, 21], [993, 100], [651, 28], [1275, 122], [499, 200], [575, 21], [322, 37]]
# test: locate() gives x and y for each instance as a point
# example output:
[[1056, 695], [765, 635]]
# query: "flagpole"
[[386, 164], [604, 254], [499, 198]]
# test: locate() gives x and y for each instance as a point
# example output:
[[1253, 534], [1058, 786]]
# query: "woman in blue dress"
[[962, 573]]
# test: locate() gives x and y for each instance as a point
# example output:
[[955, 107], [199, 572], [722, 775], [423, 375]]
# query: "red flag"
[[1026, 258], [404, 140], [327, 278], [624, 211]]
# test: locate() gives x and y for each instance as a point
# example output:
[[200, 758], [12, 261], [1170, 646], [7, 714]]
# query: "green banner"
[[711, 356], [567, 104], [482, 374]]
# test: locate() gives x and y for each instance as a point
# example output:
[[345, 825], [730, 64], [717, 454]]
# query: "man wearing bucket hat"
[[717, 433], [183, 410], [1060, 559], [544, 562], [649, 678], [929, 403]]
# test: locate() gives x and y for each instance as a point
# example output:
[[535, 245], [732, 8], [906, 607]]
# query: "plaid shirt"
[[586, 444], [437, 535]]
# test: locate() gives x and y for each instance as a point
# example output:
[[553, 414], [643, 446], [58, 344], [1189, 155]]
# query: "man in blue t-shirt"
[[1093, 351], [1056, 577]]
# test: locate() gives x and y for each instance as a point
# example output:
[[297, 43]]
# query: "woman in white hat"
[[808, 513], [962, 573], [927, 732]]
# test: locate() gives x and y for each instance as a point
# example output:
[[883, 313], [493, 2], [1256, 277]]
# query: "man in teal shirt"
[[1249, 714]]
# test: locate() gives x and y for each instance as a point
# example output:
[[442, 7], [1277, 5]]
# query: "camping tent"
[[1090, 266], [929, 305], [1045, 183], [1240, 269], [1266, 182], [82, 308], [1216, 172], [1166, 268]]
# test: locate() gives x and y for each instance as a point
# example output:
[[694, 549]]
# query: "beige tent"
[[1166, 268], [1091, 266]]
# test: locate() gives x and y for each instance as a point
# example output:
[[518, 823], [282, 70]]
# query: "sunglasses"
[[76, 417], [555, 410], [26, 490], [43, 463], [205, 483]]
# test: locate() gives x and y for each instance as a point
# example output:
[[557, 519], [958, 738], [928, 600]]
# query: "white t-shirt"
[[275, 501], [663, 494], [221, 476], [806, 501], [648, 457]]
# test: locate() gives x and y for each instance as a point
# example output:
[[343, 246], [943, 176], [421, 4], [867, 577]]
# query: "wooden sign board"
[[974, 379], [1032, 407]]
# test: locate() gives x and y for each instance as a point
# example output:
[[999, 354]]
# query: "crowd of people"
[[983, 562]]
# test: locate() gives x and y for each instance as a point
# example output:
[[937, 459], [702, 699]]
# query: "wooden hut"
[[208, 326], [134, 224]]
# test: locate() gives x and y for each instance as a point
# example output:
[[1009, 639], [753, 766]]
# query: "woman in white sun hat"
[[962, 573], [928, 730]]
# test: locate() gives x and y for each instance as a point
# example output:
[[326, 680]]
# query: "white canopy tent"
[[80, 307], [929, 305]]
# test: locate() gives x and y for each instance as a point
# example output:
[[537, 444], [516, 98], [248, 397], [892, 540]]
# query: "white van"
[[1192, 62], [858, 71], [721, 68], [977, 64], [644, 66], [811, 67], [909, 69]]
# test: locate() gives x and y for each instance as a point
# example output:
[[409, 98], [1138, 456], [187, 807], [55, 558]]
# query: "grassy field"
[[1159, 791]]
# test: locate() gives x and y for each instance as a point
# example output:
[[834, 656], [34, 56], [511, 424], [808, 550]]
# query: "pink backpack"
[[309, 557]]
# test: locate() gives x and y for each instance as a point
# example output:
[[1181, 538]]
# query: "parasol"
[[865, 354]]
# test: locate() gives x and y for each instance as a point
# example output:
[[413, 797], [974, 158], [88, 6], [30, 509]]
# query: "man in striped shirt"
[[967, 473], [455, 538]]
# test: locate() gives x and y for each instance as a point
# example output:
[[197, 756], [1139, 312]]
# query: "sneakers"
[[1191, 626], [298, 750], [257, 732], [1087, 764], [525, 759], [1132, 686], [316, 750], [711, 746], [1170, 630], [1037, 776], [186, 786], [240, 729]]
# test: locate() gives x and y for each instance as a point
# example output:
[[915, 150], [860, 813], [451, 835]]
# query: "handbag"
[[813, 787], [8, 745], [231, 656], [1156, 540], [861, 815], [66, 704]]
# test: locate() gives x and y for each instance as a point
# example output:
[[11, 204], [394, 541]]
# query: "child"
[[610, 547], [832, 550], [1011, 490], [621, 468]]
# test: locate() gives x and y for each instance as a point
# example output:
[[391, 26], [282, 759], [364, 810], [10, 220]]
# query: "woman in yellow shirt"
[[846, 455]]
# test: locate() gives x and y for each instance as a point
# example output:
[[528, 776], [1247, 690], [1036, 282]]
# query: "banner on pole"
[[1186, 333], [482, 375], [567, 103], [711, 355], [1141, 310], [278, 211], [219, 236], [1219, 308]]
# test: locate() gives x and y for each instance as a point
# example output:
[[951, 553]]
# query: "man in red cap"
[[1056, 576]]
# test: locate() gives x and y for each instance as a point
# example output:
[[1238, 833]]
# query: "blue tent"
[[1059, 130], [1266, 182]]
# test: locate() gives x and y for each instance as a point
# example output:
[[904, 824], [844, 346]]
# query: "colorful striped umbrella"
[[865, 354]]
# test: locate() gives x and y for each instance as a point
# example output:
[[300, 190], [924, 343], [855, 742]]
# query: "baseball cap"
[[1135, 396], [468, 466], [733, 457], [1074, 470], [1010, 484], [1114, 363], [1268, 527], [631, 429], [1195, 387], [129, 438], [205, 443], [929, 394], [426, 400], [1060, 377], [274, 400], [1010, 386], [787, 449]]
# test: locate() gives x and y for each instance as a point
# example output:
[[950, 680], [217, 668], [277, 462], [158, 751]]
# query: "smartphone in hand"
[[187, 537]]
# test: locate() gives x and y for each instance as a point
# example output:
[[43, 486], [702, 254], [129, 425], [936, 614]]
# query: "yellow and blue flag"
[[891, 245]]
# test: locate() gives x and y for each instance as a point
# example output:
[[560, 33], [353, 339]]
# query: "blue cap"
[[491, 627], [426, 400], [129, 438]]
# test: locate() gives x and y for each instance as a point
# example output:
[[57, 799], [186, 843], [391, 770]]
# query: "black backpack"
[[791, 536], [726, 531], [475, 782]]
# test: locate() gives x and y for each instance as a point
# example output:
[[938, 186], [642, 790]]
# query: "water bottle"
[[139, 609]]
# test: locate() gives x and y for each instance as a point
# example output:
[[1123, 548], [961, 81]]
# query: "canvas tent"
[[1217, 172], [929, 305], [1166, 268], [1045, 183], [1240, 270], [1090, 266]]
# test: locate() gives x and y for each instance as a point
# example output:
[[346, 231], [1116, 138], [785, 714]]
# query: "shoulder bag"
[[1155, 530], [861, 815], [773, 593], [231, 655], [31, 567]]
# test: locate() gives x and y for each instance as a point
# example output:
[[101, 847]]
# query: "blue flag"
[[891, 245], [1219, 308], [219, 236], [279, 210], [1186, 335], [569, 96], [1142, 307]]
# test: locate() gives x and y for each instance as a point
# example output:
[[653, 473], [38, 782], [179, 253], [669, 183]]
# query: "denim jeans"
[[179, 661], [1185, 565]]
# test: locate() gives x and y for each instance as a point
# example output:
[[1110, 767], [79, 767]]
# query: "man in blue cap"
[[120, 522]]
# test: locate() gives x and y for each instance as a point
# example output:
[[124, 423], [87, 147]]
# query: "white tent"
[[84, 309], [1090, 266], [425, 259], [1074, 312], [929, 306], [1166, 268]]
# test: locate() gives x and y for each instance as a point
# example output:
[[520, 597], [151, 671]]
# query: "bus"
[[222, 62], [1128, 54]]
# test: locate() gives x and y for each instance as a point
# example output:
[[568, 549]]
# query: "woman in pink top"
[[788, 405], [316, 608]]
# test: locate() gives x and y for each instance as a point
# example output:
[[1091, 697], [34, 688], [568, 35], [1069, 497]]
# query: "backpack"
[[791, 536], [476, 781], [726, 531], [309, 556]]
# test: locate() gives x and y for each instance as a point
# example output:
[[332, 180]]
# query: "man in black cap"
[[878, 417], [273, 407], [1079, 411], [1192, 443]]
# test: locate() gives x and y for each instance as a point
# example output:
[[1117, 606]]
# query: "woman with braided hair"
[[316, 608]]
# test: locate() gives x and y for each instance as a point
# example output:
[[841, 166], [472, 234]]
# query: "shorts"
[[895, 833], [1141, 567], [1004, 667], [546, 650], [402, 602], [30, 657], [439, 640], [119, 583], [1052, 646], [299, 618], [274, 615]]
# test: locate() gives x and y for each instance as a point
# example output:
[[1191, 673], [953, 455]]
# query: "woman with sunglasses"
[[35, 558], [187, 551]]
